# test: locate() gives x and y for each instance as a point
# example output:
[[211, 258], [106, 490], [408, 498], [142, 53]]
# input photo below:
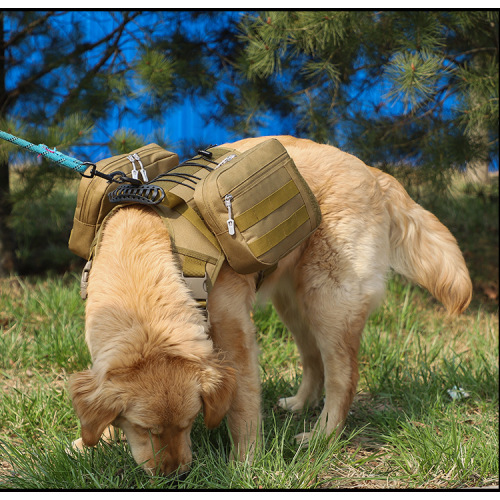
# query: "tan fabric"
[[198, 255], [272, 206], [250, 208]]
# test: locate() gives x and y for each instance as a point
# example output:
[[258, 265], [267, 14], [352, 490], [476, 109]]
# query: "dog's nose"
[[179, 472]]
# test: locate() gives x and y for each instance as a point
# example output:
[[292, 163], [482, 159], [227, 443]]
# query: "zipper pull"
[[135, 172], [143, 171], [230, 222]]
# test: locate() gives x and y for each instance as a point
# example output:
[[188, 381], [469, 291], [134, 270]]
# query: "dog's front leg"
[[233, 332], [244, 416], [110, 435], [236, 338]]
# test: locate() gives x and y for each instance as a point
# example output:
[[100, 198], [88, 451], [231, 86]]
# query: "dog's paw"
[[291, 404], [303, 439], [77, 445]]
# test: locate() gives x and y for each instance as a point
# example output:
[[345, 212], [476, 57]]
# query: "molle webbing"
[[258, 206], [199, 252]]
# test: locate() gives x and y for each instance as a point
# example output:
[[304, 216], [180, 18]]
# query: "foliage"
[[392, 86], [407, 88], [42, 226]]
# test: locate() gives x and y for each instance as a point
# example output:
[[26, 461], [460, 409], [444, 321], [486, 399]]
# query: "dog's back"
[[372, 220]]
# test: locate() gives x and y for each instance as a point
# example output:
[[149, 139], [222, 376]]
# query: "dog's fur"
[[157, 363]]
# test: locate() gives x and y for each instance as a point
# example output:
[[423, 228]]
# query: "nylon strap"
[[186, 211], [193, 267], [272, 238], [187, 232]]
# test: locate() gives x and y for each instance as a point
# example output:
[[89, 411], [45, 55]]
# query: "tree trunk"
[[7, 253]]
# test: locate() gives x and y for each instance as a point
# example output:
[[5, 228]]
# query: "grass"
[[404, 430]]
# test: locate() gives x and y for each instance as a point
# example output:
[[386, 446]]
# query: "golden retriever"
[[157, 362]]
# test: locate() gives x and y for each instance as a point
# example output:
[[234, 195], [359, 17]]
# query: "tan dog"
[[156, 363]]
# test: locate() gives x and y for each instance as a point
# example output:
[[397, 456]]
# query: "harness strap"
[[190, 214], [200, 267]]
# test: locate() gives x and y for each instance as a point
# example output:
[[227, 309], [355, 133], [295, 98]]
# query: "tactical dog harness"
[[249, 208]]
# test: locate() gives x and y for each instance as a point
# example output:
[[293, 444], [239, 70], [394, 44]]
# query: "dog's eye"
[[155, 430]]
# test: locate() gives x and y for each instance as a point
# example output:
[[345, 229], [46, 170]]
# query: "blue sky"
[[184, 123]]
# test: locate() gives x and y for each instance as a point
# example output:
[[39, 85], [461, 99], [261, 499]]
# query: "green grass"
[[404, 430]]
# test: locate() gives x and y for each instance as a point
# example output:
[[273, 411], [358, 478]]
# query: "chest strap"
[[196, 249]]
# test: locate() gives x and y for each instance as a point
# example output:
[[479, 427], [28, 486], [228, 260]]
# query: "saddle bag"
[[257, 205], [92, 204]]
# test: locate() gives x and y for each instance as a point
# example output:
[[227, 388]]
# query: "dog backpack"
[[254, 207], [92, 204], [249, 208]]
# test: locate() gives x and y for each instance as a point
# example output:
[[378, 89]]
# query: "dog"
[[157, 361]]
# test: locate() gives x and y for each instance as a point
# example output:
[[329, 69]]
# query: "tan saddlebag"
[[92, 204], [257, 205]]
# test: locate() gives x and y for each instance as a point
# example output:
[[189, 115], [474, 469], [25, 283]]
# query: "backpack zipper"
[[230, 221], [146, 151], [134, 172]]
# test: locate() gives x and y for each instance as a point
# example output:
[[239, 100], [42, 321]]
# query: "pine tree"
[[64, 74], [418, 88], [52, 90], [58, 84]]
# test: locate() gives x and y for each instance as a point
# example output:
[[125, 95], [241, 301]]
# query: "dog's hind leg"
[[337, 315], [327, 332], [338, 339], [334, 296], [311, 387]]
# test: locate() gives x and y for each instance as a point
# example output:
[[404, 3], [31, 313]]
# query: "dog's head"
[[155, 403]]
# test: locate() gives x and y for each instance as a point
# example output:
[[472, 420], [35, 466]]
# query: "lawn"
[[405, 430]]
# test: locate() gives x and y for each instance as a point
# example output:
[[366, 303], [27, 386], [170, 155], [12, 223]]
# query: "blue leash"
[[63, 160]]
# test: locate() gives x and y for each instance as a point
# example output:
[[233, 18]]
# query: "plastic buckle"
[[198, 286], [92, 172], [84, 282]]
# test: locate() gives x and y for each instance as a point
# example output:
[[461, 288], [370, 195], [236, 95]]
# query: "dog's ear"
[[95, 409], [218, 383]]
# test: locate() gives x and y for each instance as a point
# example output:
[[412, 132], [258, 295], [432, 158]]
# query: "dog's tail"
[[424, 250]]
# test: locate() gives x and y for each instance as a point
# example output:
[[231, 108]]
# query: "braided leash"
[[63, 160], [53, 155]]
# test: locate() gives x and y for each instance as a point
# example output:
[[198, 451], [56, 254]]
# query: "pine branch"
[[79, 49], [92, 72], [28, 30]]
